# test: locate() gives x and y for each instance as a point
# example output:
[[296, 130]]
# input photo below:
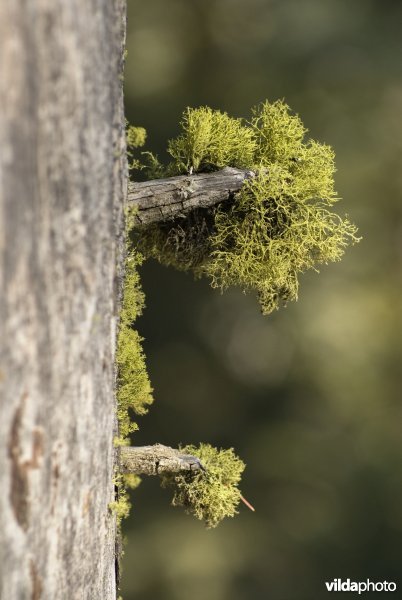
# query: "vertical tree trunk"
[[62, 176]]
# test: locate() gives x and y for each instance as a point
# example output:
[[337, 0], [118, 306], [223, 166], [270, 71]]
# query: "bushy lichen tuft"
[[209, 495], [278, 239], [210, 139], [278, 133], [279, 224]]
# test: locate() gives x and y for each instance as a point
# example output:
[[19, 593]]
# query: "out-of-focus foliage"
[[135, 138], [211, 494], [310, 396], [278, 226]]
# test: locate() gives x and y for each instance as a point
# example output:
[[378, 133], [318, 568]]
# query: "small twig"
[[247, 503], [164, 199]]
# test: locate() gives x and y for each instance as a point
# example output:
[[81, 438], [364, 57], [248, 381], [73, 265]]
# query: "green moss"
[[278, 226], [209, 495]]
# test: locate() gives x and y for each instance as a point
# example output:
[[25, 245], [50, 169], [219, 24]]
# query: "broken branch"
[[156, 460], [163, 199]]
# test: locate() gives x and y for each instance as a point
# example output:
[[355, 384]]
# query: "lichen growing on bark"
[[209, 495], [133, 391], [135, 138], [279, 225], [122, 505]]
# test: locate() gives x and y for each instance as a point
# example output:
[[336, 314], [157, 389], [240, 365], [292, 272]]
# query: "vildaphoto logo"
[[339, 585]]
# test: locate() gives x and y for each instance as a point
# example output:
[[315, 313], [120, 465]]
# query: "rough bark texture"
[[156, 460], [62, 175], [163, 199]]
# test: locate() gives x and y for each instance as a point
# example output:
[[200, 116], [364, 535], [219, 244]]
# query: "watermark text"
[[346, 585]]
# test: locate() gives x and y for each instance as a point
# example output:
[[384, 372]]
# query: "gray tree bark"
[[62, 176], [164, 199]]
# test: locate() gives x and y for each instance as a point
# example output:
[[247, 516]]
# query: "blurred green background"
[[311, 396]]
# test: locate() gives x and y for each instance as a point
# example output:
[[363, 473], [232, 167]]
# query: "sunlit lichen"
[[280, 223], [213, 494], [210, 139]]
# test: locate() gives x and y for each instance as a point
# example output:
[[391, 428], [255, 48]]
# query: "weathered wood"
[[163, 199], [156, 460], [62, 176]]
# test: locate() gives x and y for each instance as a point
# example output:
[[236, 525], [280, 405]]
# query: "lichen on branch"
[[279, 225], [211, 494]]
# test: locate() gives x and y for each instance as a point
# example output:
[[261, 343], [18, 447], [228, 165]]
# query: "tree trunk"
[[62, 176]]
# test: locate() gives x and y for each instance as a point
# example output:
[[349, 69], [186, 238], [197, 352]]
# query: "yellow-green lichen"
[[213, 494], [134, 392], [211, 139], [135, 138], [122, 505], [278, 226]]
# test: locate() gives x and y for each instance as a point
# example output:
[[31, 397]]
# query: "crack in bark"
[[19, 469], [18, 473], [36, 581]]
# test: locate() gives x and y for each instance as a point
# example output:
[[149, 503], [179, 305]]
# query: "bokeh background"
[[311, 396]]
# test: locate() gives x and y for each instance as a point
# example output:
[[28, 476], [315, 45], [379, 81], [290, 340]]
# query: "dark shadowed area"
[[310, 396]]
